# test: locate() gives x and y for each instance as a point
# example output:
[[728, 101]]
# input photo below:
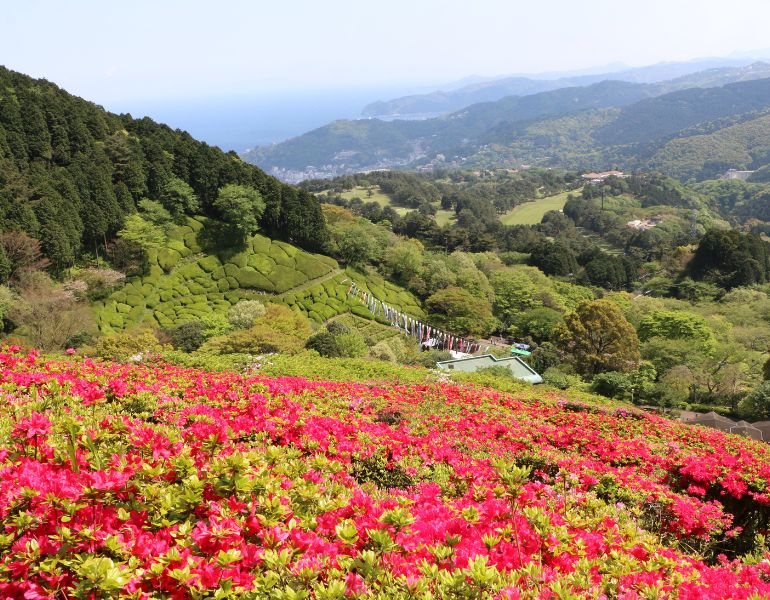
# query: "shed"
[[764, 427], [747, 430], [714, 420], [518, 367]]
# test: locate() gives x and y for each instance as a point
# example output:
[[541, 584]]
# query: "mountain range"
[[609, 123], [458, 95]]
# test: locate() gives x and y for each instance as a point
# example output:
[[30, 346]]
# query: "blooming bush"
[[143, 481]]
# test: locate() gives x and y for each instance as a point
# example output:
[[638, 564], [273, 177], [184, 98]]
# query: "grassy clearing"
[[531, 213], [377, 196], [444, 217], [597, 240], [362, 192]]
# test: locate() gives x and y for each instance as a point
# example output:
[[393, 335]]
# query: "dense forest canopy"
[[71, 172]]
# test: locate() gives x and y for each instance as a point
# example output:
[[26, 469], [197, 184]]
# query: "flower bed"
[[161, 481]]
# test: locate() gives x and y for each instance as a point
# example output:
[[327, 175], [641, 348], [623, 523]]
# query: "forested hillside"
[[71, 173], [599, 126], [645, 266], [357, 145]]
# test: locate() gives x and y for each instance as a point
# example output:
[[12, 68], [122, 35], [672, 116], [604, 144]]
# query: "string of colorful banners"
[[428, 336]]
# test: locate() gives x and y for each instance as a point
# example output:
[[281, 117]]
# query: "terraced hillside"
[[184, 283]]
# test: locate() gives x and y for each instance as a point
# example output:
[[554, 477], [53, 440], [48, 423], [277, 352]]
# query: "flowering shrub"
[[143, 481]]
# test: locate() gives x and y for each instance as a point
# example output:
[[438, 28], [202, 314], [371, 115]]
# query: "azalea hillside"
[[145, 480]]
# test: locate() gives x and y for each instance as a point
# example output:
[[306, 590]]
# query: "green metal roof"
[[518, 367]]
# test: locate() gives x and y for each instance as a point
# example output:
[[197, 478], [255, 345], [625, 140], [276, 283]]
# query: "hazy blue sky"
[[147, 49]]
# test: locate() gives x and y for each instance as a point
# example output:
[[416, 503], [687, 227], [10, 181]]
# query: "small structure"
[[599, 177], [520, 351], [764, 427], [518, 367], [714, 421], [758, 431], [746, 429], [736, 174], [645, 224]]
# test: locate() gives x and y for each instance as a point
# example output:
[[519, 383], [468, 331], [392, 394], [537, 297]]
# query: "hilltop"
[[697, 73]]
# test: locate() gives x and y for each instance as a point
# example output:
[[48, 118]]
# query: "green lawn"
[[361, 192], [531, 213], [444, 217], [377, 196]]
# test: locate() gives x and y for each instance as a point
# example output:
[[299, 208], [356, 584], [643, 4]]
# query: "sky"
[[109, 50], [237, 73]]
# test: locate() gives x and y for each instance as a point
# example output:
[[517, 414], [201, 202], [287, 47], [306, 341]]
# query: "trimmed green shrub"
[[125, 345], [561, 380], [285, 278], [187, 337], [245, 313], [260, 244], [324, 343], [209, 263], [249, 278], [429, 358], [351, 345], [262, 263], [167, 258], [189, 271], [310, 266], [338, 328]]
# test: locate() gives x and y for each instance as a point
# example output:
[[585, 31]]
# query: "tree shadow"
[[221, 239]]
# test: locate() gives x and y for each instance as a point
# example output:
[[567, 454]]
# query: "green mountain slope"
[[742, 146], [70, 172], [357, 145], [185, 283], [655, 118], [602, 125]]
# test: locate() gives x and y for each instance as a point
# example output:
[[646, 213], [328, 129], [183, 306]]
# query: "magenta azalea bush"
[[144, 481]]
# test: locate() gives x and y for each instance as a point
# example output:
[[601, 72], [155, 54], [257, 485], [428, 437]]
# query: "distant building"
[[736, 174], [599, 177], [645, 224], [518, 367]]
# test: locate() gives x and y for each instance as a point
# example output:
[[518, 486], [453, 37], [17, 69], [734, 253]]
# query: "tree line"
[[71, 173]]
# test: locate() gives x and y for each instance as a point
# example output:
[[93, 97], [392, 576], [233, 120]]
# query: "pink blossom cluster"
[[141, 481]]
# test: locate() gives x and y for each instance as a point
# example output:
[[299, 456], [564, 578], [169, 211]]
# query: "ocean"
[[242, 122]]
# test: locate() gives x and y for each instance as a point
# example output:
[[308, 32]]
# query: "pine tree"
[[35, 129]]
